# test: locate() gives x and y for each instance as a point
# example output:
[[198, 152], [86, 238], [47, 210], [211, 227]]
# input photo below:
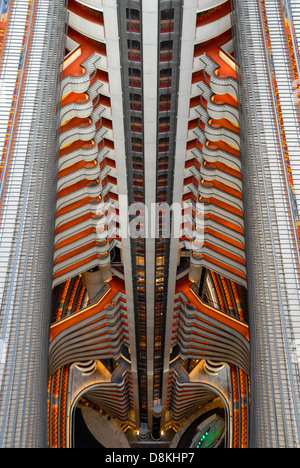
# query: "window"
[[165, 78], [137, 163], [162, 180], [165, 102], [166, 49], [138, 196], [135, 77], [133, 20], [162, 196], [136, 72], [132, 14], [134, 50], [163, 145], [167, 14], [136, 124], [135, 102], [138, 180], [163, 163], [137, 144], [164, 124], [167, 20], [160, 260]]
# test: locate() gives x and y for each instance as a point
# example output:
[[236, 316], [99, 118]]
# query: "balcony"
[[86, 26], [204, 5], [208, 31]]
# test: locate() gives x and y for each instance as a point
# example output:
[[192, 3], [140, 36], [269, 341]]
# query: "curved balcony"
[[204, 5], [220, 263], [234, 252], [219, 250], [75, 232], [75, 263], [203, 324], [100, 394], [81, 109], [84, 154], [215, 110], [218, 229], [86, 191], [79, 256], [219, 195], [226, 218], [83, 243], [84, 173], [84, 170], [76, 213], [188, 397], [81, 83], [91, 223], [213, 29], [84, 133], [74, 269], [211, 173], [95, 4], [112, 397], [219, 155], [105, 346], [84, 24], [96, 332], [219, 85], [215, 134]]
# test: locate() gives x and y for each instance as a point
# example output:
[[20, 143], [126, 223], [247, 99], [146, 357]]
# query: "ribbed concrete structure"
[[267, 35], [29, 68]]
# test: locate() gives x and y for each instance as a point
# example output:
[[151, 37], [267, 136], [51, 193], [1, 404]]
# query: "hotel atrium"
[[149, 224]]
